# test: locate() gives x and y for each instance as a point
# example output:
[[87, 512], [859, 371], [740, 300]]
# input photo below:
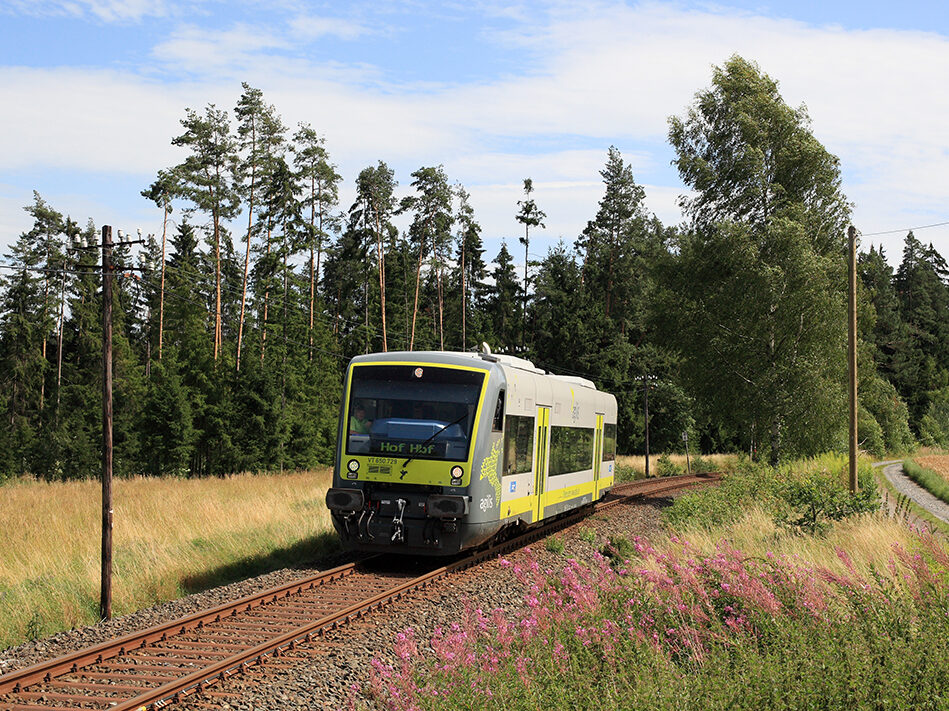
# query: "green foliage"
[[625, 472], [761, 259], [554, 544], [816, 500], [934, 425], [805, 495], [666, 467], [587, 534], [618, 550]]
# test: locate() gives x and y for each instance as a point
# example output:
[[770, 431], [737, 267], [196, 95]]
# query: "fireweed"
[[676, 629]]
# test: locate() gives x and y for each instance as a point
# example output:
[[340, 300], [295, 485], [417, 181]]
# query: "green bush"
[[625, 473], [554, 545], [805, 495], [666, 467], [817, 499]]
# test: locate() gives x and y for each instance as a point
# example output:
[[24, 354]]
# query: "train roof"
[[465, 358]]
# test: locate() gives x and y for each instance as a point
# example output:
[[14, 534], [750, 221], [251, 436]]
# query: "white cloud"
[[194, 49], [601, 74], [103, 10]]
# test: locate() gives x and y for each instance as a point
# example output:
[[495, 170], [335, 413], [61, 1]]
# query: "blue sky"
[[93, 91]]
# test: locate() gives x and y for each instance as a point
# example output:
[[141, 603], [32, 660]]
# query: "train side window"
[[609, 443], [571, 449], [499, 413], [518, 444]]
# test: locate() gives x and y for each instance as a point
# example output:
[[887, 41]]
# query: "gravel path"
[[893, 471]]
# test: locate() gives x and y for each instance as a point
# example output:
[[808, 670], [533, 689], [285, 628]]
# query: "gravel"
[[321, 677], [906, 486]]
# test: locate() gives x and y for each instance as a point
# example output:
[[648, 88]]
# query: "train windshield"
[[417, 411]]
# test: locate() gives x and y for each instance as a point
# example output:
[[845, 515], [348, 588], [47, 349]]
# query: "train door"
[[540, 461], [597, 455]]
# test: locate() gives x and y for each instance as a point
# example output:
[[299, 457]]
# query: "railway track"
[[163, 664]]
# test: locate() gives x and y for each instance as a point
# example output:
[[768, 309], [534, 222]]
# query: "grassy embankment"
[[775, 590], [171, 537], [931, 472]]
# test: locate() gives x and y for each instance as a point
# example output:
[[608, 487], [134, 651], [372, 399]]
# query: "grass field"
[[171, 537], [938, 463], [637, 463]]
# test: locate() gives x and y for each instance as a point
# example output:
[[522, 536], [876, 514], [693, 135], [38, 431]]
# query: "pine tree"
[[319, 183], [530, 216], [501, 306], [161, 192], [470, 264], [252, 120], [207, 179], [430, 229], [372, 212]]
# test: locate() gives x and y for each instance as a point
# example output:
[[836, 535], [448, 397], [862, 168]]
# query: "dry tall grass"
[[638, 462], [170, 536], [938, 463], [868, 540]]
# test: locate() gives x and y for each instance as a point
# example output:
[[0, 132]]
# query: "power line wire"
[[908, 229]]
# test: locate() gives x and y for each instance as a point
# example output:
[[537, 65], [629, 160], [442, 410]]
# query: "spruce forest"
[[233, 324]]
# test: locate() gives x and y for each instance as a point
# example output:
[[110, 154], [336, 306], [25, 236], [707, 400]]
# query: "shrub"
[[625, 473], [554, 545], [805, 495], [666, 467]]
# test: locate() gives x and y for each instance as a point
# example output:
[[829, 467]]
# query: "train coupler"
[[398, 528]]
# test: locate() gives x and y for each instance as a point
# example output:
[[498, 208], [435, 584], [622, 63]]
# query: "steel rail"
[[45, 671], [172, 690]]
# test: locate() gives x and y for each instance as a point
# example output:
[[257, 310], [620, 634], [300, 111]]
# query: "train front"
[[416, 437]]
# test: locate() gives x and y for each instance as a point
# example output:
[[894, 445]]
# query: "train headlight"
[[456, 474], [352, 465]]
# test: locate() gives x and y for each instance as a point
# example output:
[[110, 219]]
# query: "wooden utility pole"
[[646, 408], [105, 593], [852, 354]]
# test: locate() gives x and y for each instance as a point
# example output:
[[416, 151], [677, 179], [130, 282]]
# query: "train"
[[439, 452]]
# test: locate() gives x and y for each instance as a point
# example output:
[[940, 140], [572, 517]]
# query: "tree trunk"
[[381, 259], [464, 298], [250, 224], [59, 340], [263, 325], [312, 277], [441, 301], [283, 369], [43, 325], [418, 277], [161, 293]]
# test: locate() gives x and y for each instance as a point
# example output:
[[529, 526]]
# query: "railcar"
[[439, 452]]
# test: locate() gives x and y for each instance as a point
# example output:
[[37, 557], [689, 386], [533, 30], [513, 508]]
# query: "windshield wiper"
[[406, 462]]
